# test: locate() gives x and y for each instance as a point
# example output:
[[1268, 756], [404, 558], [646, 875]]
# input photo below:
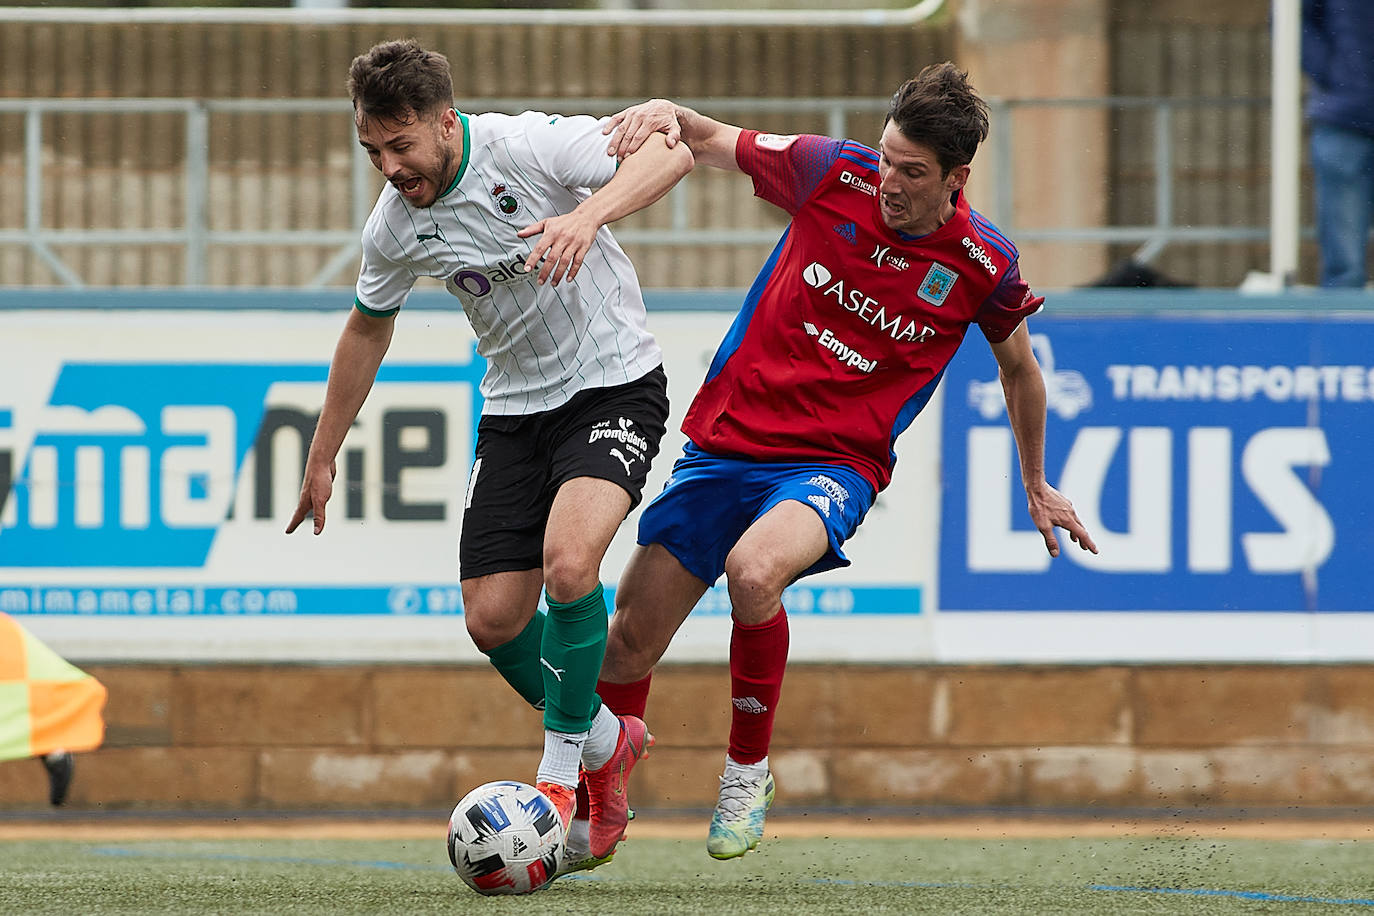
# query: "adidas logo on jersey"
[[820, 502], [848, 231]]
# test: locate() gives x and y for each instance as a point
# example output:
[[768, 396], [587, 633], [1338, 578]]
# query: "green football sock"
[[518, 662], [571, 652]]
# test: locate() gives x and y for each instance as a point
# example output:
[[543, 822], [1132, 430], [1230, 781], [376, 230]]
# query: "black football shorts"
[[608, 433]]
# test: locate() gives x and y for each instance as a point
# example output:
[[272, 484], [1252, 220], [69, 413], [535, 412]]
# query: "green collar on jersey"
[[467, 150]]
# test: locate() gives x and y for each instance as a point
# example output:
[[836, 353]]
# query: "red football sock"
[[626, 699], [623, 700], [758, 657]]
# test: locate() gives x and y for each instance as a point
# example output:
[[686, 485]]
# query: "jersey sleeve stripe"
[[992, 242], [987, 225], [862, 163], [857, 152], [989, 234]]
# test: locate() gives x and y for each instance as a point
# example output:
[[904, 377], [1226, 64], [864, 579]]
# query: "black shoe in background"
[[59, 765]]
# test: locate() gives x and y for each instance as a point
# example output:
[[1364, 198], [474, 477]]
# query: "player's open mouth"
[[411, 186], [892, 207]]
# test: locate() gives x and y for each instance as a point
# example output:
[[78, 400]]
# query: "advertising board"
[[151, 459]]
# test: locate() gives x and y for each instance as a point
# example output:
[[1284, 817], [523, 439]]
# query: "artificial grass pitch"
[[656, 876]]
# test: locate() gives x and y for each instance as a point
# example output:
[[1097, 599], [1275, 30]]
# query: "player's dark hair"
[[397, 78], [939, 108]]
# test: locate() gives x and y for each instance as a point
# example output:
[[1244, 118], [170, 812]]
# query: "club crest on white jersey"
[[506, 201]]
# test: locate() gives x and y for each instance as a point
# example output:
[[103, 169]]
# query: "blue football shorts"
[[710, 500]]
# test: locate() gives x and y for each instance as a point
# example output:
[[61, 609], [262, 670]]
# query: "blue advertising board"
[[1221, 465]]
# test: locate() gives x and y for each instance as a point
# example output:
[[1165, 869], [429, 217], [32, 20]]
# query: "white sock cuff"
[[562, 753], [759, 767], [602, 739]]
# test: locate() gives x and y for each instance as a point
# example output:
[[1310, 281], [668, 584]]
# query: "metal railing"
[[196, 235], [1153, 236]]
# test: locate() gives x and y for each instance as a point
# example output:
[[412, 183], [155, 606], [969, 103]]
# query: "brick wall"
[[385, 737]]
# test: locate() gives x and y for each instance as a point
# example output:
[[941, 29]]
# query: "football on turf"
[[505, 838]]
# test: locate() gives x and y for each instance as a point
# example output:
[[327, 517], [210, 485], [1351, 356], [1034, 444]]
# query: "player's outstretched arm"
[[357, 355], [643, 178], [1024, 389], [712, 142]]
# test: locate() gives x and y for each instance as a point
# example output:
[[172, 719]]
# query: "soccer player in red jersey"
[[839, 344]]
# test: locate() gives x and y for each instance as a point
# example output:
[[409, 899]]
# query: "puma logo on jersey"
[[436, 235]]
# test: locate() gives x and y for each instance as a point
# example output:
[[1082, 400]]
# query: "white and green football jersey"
[[543, 343]]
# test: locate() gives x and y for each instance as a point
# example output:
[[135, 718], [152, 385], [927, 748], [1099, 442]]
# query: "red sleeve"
[[785, 169], [1010, 303]]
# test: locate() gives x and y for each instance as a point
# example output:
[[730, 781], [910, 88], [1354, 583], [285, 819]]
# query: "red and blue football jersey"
[[849, 325]]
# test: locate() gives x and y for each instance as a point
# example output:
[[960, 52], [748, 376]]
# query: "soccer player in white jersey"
[[502, 208]]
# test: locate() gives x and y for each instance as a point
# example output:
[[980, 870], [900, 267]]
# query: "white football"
[[505, 838]]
